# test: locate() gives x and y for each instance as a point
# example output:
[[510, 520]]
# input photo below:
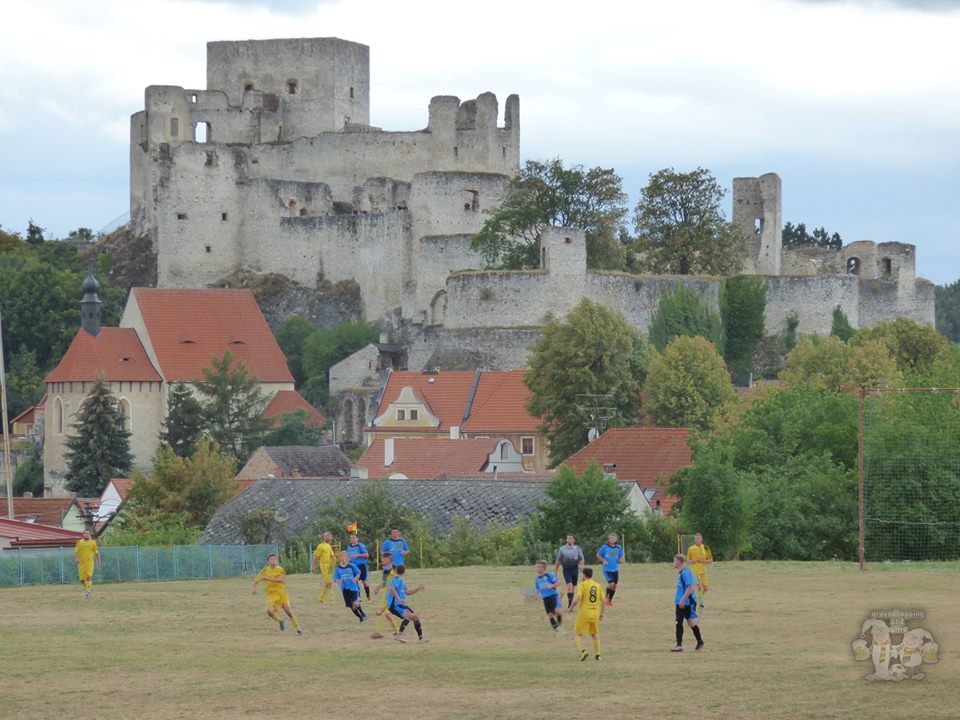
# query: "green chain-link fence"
[[121, 564]]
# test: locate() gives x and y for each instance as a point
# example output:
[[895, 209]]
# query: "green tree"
[[233, 407], [134, 525], [25, 385], [841, 327], [948, 310], [714, 501], [291, 336], [828, 363], [592, 358], [323, 348], [547, 193], [294, 429], [28, 476], [683, 312], [184, 424], [372, 507], [590, 506], [34, 233], [681, 228], [81, 235], [917, 349], [194, 487], [797, 236], [743, 300], [100, 450], [687, 384]]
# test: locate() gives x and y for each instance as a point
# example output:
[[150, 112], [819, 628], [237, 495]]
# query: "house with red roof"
[[474, 404], [646, 456], [15, 534], [165, 336], [26, 423], [434, 458]]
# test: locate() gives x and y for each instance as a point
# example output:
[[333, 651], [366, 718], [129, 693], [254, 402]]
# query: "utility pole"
[[6, 425]]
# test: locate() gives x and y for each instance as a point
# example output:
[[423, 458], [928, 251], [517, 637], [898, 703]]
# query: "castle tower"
[[758, 212], [90, 306]]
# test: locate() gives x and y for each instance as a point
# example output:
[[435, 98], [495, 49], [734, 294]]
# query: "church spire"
[[90, 306]]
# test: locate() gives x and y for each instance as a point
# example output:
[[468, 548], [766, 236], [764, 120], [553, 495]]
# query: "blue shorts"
[[571, 575], [612, 576], [399, 609]]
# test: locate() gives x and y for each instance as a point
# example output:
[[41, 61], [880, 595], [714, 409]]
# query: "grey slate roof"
[[299, 502], [310, 460]]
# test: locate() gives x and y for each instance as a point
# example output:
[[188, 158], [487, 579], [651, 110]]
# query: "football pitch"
[[777, 646]]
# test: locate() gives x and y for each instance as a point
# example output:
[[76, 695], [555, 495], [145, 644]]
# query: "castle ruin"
[[274, 168]]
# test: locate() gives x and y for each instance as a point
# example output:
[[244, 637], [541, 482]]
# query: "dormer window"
[[414, 415], [401, 414]]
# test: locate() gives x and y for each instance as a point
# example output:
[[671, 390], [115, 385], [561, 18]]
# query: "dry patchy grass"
[[778, 646]]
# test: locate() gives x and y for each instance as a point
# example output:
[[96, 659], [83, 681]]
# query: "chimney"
[[454, 432], [90, 306], [388, 452]]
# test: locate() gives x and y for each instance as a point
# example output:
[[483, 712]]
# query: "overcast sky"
[[854, 103]]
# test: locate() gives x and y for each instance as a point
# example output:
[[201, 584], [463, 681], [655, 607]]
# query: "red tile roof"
[[21, 534], [27, 416], [45, 511], [500, 404], [286, 401], [642, 455], [115, 352], [427, 458], [122, 486], [445, 394], [188, 328]]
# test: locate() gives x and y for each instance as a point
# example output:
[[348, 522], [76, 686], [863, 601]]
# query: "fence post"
[[62, 578], [243, 559], [20, 564], [137, 549], [176, 567], [119, 569], [210, 559]]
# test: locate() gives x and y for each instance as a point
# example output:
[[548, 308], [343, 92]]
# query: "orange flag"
[[352, 527]]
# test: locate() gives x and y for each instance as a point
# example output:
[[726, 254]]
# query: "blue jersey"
[[396, 548], [358, 549], [544, 583], [684, 580], [345, 576], [612, 555], [401, 587]]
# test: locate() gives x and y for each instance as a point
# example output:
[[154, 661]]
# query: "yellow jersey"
[[590, 597], [86, 550], [324, 555], [696, 554], [274, 589]]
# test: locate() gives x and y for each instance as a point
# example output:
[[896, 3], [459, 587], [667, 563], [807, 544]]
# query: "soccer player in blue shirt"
[[397, 547], [346, 576], [685, 600], [547, 585], [358, 556], [610, 556], [397, 604]]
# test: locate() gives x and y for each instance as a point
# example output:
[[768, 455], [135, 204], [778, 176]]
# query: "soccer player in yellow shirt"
[[86, 551], [589, 603], [699, 556], [274, 578], [324, 560]]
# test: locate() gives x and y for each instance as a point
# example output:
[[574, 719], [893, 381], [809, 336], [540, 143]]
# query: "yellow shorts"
[[586, 625], [327, 577], [702, 579], [85, 570], [276, 602]]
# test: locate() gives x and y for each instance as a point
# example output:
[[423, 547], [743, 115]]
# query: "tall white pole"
[[6, 426]]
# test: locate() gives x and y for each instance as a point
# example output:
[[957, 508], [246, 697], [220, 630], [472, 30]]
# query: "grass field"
[[777, 646]]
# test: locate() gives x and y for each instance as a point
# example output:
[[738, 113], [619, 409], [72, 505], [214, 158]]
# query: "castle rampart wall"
[[813, 298]]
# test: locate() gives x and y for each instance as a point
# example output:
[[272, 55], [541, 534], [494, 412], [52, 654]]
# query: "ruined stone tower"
[[757, 210]]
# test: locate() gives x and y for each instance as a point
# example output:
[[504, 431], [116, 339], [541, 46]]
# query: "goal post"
[[908, 459]]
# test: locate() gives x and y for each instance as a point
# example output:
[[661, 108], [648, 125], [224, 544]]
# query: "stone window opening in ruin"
[[303, 211], [174, 127], [346, 119], [193, 97], [504, 150], [758, 226], [291, 87], [181, 216], [209, 162], [853, 266], [456, 151], [292, 207], [473, 200], [887, 266], [247, 87], [208, 249], [223, 216], [543, 258], [201, 132], [351, 93]]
